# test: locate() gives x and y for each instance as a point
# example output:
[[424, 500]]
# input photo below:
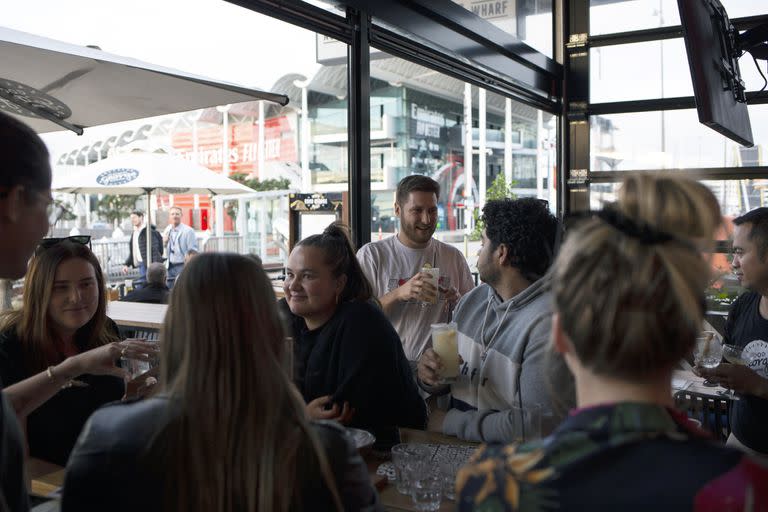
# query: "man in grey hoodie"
[[503, 333]]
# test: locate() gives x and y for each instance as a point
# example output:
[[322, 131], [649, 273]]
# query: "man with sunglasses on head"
[[25, 195]]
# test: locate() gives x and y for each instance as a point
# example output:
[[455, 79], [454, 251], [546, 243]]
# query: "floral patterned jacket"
[[625, 456]]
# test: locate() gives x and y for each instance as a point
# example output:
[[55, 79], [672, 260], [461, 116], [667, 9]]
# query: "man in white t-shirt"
[[394, 267]]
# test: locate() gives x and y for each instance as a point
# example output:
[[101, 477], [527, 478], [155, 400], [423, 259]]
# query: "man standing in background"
[[180, 239], [137, 248]]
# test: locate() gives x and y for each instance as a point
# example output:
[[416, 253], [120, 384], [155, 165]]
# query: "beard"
[[489, 274], [415, 233]]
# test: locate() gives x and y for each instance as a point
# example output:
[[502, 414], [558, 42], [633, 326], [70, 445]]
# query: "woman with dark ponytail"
[[348, 360]]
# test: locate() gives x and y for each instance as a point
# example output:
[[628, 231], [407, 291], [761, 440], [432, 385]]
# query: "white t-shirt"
[[388, 264], [136, 249]]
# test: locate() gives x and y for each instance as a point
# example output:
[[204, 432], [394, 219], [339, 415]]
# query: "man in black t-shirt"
[[747, 327]]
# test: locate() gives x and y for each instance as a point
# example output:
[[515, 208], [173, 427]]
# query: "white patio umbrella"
[[51, 85], [141, 173]]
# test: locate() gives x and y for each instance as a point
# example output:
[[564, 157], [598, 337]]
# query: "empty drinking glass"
[[427, 491], [448, 471], [410, 461]]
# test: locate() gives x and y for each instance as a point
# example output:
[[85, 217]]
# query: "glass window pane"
[[418, 127], [607, 17], [299, 147], [657, 69], [529, 21], [671, 139], [736, 197], [611, 16]]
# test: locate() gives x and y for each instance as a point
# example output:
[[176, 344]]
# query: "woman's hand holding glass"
[[101, 360]]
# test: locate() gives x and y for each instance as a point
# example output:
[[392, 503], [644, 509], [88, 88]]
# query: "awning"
[[51, 85]]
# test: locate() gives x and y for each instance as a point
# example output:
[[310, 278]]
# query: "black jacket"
[[357, 357], [157, 247], [52, 429], [150, 294], [106, 471]]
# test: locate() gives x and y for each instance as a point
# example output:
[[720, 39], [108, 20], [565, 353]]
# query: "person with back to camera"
[[349, 362], [156, 291], [58, 353], [228, 430], [629, 301]]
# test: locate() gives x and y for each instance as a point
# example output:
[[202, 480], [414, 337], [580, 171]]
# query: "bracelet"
[[68, 384]]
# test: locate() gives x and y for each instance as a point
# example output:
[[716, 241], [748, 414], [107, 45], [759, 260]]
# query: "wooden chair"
[[712, 412]]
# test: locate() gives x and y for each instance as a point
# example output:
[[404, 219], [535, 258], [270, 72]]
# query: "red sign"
[[242, 145]]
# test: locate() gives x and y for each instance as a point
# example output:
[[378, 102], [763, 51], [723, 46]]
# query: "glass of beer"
[[445, 343], [434, 280]]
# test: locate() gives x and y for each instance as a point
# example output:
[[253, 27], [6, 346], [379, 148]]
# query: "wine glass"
[[709, 352]]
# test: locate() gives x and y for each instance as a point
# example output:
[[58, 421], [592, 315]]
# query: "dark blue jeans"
[[142, 280], [174, 269]]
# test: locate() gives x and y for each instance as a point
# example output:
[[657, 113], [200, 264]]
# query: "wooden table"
[[43, 477], [390, 498], [46, 478], [137, 314]]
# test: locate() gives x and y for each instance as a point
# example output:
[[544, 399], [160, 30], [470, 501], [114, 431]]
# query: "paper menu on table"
[[680, 384]]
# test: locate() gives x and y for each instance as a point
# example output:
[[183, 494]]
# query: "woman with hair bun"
[[349, 363], [628, 290]]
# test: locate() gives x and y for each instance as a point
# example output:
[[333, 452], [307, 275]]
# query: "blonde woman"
[[629, 301], [228, 431]]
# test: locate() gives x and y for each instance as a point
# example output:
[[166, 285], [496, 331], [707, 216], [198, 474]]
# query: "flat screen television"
[[713, 53]]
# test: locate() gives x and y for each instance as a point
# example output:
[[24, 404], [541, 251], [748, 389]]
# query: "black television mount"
[[753, 41]]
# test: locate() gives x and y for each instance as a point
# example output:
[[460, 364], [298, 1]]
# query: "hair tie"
[[642, 232]]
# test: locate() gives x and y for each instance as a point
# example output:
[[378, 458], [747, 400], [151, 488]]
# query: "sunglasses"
[[47, 243]]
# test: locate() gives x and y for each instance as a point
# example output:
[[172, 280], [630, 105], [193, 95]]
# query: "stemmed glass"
[[708, 352]]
